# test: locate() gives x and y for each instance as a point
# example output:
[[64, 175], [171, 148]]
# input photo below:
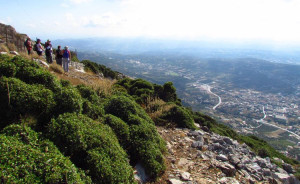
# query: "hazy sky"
[[235, 20]]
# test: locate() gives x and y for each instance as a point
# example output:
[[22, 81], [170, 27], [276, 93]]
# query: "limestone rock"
[[185, 176], [222, 157], [175, 181], [226, 180], [14, 53], [288, 168], [286, 179], [227, 169]]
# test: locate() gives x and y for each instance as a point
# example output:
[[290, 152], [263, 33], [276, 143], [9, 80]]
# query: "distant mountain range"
[[201, 49]]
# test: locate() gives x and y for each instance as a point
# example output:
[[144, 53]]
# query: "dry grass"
[[3, 48], [156, 107], [56, 68], [32, 56], [11, 47], [105, 86]]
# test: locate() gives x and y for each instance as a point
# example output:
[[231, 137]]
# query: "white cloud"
[[80, 1], [64, 5], [220, 19], [187, 19]]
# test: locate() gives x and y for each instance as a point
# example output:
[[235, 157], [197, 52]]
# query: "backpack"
[[48, 52], [26, 43], [35, 47], [48, 49], [66, 54]]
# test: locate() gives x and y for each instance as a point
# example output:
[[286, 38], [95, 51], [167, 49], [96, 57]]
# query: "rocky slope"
[[201, 157]]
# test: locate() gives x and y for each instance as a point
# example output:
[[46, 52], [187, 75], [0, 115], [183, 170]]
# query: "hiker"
[[66, 58], [39, 48], [48, 52], [28, 45], [59, 56]]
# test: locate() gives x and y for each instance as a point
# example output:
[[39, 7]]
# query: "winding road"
[[208, 88], [269, 124]]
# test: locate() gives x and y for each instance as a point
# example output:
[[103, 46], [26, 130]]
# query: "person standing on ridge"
[[48, 52], [39, 47], [28, 45], [66, 58], [59, 56]]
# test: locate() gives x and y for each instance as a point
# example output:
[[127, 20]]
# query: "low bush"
[[180, 116], [89, 94], [147, 147], [4, 57], [123, 106], [28, 71], [91, 110], [27, 158], [120, 128], [34, 75], [7, 69], [68, 100], [65, 83], [98, 68], [19, 98], [92, 146], [21, 62]]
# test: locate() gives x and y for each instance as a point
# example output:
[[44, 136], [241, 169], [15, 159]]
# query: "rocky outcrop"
[[202, 157], [8, 34]]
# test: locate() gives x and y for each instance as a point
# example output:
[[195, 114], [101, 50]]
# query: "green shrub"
[[92, 146], [26, 158], [21, 62], [107, 167], [68, 100], [4, 57], [98, 68], [28, 71], [123, 107], [147, 147], [120, 128], [17, 97], [91, 110], [89, 94], [140, 84], [7, 69], [180, 116], [65, 83], [169, 92], [34, 75]]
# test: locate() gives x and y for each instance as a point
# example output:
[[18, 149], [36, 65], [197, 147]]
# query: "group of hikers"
[[62, 57]]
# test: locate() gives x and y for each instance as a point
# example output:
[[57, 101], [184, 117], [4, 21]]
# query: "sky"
[[233, 20]]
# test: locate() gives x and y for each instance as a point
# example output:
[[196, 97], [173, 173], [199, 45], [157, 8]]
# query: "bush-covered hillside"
[[54, 132], [98, 68], [82, 135]]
